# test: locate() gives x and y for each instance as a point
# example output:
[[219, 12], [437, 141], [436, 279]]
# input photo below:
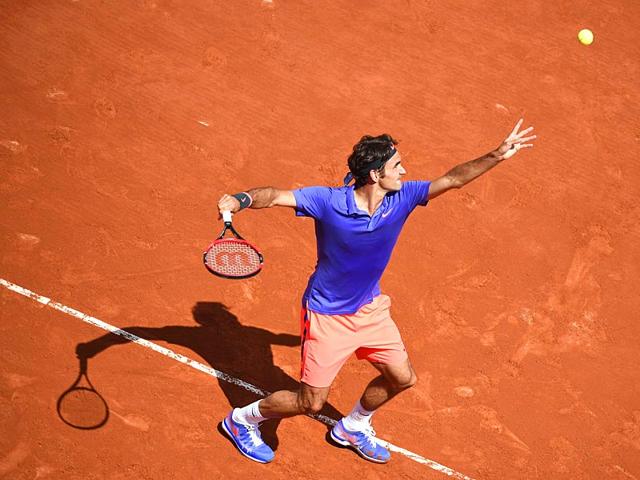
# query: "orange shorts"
[[328, 340]]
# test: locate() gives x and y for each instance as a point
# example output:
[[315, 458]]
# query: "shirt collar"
[[352, 208]]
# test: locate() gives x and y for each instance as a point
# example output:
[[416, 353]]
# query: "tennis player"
[[343, 309]]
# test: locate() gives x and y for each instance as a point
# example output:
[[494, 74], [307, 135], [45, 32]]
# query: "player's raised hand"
[[516, 141], [227, 203]]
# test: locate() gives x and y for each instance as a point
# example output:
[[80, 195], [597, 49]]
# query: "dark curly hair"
[[368, 154]]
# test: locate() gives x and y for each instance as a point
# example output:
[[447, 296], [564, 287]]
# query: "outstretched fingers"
[[519, 137], [516, 128], [526, 139], [516, 141], [524, 132]]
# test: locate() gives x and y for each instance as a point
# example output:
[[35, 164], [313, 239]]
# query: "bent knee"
[[311, 406], [412, 380], [311, 402], [406, 381]]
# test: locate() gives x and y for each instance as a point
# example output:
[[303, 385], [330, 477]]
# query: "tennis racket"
[[232, 257], [81, 406]]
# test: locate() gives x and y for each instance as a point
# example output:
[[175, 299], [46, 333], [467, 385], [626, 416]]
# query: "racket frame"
[[228, 226], [75, 387]]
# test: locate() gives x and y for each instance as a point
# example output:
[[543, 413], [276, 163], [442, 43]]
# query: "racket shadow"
[[224, 343], [81, 406]]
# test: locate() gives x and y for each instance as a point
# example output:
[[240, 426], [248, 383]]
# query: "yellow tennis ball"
[[585, 36]]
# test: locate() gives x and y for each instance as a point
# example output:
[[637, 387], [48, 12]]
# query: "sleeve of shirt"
[[312, 201], [417, 193]]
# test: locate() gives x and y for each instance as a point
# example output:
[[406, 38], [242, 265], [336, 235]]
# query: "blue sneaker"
[[248, 440], [364, 442]]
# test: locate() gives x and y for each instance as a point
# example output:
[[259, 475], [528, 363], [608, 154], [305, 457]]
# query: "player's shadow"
[[224, 343]]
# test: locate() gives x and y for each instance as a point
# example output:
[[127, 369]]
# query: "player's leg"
[[242, 424], [385, 350], [392, 380], [323, 354], [355, 429], [307, 400], [382, 346]]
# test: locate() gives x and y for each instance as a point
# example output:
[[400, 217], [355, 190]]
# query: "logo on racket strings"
[[233, 259]]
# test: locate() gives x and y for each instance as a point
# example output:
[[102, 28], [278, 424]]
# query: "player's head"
[[371, 154], [214, 314]]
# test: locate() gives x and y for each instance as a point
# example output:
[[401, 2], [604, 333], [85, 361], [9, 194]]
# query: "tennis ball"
[[585, 36]]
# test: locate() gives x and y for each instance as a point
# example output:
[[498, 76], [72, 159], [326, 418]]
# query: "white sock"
[[249, 414], [358, 418]]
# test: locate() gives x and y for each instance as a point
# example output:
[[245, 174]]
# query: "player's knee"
[[406, 381], [413, 379], [311, 404], [314, 407]]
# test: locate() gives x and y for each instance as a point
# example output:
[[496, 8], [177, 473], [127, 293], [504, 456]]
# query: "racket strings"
[[233, 258], [83, 408]]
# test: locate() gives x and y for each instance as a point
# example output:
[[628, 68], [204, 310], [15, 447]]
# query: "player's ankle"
[[354, 425], [249, 414], [358, 418]]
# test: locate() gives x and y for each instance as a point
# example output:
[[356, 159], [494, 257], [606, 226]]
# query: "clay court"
[[124, 121]]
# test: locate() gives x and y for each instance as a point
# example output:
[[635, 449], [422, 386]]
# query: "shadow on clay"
[[226, 345]]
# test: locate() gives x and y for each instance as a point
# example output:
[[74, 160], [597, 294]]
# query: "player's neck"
[[369, 197]]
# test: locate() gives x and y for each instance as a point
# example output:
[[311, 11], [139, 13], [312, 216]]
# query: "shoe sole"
[[345, 443], [233, 439]]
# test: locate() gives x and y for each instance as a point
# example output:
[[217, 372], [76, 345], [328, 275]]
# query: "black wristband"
[[244, 198]]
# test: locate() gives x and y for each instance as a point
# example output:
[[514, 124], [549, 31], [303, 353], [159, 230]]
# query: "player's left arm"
[[464, 173]]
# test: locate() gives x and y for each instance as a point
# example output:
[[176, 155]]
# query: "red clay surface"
[[517, 296]]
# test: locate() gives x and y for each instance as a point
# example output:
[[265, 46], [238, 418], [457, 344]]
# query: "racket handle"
[[226, 216]]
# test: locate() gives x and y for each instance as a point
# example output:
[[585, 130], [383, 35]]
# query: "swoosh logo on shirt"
[[385, 214]]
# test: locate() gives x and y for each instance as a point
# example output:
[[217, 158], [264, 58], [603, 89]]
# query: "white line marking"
[[208, 370]]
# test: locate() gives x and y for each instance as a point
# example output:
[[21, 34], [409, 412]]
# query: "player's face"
[[393, 173]]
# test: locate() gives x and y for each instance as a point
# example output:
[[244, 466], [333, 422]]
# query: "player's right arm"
[[262, 197]]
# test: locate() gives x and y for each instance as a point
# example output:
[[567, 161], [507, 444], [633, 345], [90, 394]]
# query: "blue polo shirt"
[[354, 247]]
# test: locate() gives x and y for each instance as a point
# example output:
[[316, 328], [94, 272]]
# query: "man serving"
[[343, 309]]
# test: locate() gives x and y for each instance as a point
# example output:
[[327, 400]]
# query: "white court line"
[[208, 370]]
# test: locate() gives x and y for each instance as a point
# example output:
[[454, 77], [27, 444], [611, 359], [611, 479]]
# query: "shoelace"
[[254, 435], [369, 435]]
